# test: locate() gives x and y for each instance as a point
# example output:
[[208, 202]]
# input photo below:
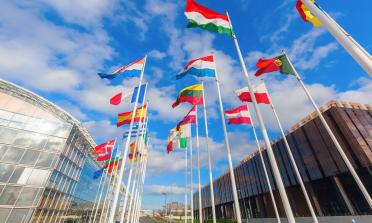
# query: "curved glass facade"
[[331, 187], [46, 167]]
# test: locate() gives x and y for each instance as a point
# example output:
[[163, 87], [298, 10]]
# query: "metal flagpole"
[[266, 175], [197, 148], [274, 165], [209, 159], [99, 199], [186, 183], [191, 195], [137, 188], [136, 173], [293, 161], [134, 151], [109, 188], [110, 197], [95, 200], [117, 190], [135, 206], [340, 150], [232, 176], [360, 57]]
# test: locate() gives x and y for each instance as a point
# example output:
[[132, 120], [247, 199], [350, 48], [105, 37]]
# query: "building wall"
[[331, 187]]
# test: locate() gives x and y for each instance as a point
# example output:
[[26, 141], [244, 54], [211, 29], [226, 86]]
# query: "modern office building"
[[331, 187], [46, 166]]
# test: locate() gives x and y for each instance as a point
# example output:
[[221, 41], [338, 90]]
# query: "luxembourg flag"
[[260, 93], [133, 70], [202, 67], [239, 115], [129, 96]]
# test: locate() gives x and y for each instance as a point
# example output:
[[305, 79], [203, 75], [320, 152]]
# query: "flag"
[[117, 164], [107, 155], [135, 131], [279, 63], [146, 138], [185, 131], [126, 117], [200, 16], [189, 118], [129, 96], [142, 157], [238, 115], [177, 144], [102, 148], [202, 67], [192, 94], [133, 70], [306, 14], [139, 141], [260, 93], [110, 164], [98, 173]]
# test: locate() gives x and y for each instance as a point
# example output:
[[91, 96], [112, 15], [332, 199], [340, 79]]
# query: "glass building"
[[46, 165], [331, 187]]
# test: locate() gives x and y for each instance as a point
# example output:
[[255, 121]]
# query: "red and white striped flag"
[[259, 91], [189, 118], [239, 115]]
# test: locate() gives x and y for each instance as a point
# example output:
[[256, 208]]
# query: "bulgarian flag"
[[177, 144], [279, 63], [192, 94], [202, 17], [112, 164], [178, 139], [260, 92]]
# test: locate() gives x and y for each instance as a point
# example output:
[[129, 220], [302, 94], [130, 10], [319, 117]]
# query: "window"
[[5, 172], [46, 127], [3, 149], [28, 196], [4, 212], [8, 135], [38, 141], [54, 144], [10, 195], [14, 155], [38, 177], [30, 157], [19, 215], [23, 138]]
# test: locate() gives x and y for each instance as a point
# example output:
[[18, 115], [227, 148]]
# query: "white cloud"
[[157, 55], [160, 189]]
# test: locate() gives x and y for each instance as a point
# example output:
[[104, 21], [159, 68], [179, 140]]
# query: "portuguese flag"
[[279, 63], [192, 94], [202, 17]]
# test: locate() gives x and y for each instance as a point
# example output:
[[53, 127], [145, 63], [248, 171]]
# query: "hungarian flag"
[[306, 14], [202, 17], [189, 118], [260, 93], [279, 63], [192, 94], [238, 115], [126, 117]]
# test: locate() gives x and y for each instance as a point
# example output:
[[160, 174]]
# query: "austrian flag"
[[189, 118], [239, 115]]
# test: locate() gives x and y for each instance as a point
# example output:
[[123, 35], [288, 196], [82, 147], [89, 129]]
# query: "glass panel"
[[16, 175], [8, 135], [5, 172], [38, 141], [30, 157], [23, 138], [46, 127], [9, 195], [19, 118], [37, 177], [24, 177], [4, 212], [55, 144], [18, 215], [27, 197], [49, 160], [6, 114], [58, 129], [42, 159], [12, 124], [54, 161], [3, 149], [14, 155]]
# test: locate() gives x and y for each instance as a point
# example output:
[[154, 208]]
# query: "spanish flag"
[[192, 94], [306, 14], [126, 117]]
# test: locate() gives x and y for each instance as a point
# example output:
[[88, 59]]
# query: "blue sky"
[[55, 48]]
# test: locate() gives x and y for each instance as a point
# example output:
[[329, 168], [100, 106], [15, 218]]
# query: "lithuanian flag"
[[112, 164], [192, 94], [126, 117]]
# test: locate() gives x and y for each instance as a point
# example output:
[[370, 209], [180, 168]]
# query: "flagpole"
[[137, 171], [340, 150], [364, 61], [274, 164], [266, 175], [110, 196], [136, 200], [209, 159], [99, 199], [117, 190], [191, 197], [197, 148], [109, 188], [95, 200], [293, 161], [185, 183], [232, 176]]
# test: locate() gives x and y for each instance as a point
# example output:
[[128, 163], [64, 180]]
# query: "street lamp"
[[170, 209], [165, 206]]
